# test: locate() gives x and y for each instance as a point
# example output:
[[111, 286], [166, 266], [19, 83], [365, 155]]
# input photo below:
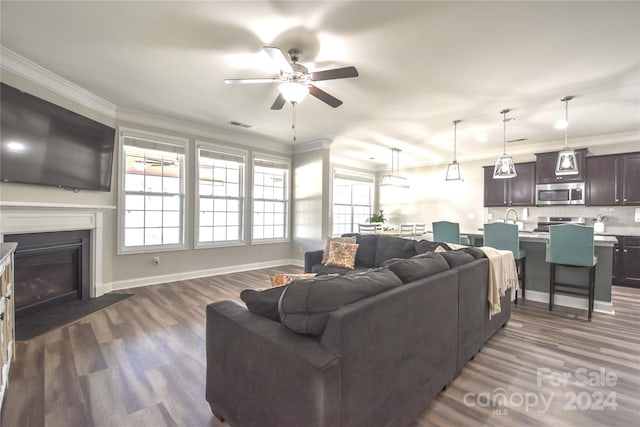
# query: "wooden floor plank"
[[142, 363]]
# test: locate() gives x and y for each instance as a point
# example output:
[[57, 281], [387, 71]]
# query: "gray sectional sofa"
[[349, 354]]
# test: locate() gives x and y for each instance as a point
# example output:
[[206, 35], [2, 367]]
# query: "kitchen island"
[[537, 270]]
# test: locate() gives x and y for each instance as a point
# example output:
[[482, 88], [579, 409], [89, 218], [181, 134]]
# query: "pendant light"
[[504, 165], [394, 180], [567, 163], [453, 170]]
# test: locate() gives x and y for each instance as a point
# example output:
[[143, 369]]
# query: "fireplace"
[[43, 218], [50, 268]]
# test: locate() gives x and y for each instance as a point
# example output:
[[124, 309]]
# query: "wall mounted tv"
[[42, 143]]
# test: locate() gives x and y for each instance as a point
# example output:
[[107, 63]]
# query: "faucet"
[[507, 212]]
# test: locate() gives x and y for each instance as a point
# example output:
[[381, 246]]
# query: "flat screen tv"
[[42, 143]]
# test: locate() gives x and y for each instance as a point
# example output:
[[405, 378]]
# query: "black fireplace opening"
[[50, 269]]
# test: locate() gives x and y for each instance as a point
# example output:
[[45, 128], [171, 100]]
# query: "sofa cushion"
[[342, 255], [424, 246], [456, 258], [366, 255], [263, 302], [327, 246], [412, 269], [394, 247], [327, 269], [305, 305]]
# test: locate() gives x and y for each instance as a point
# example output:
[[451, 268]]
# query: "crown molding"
[[131, 118], [318, 144], [21, 66]]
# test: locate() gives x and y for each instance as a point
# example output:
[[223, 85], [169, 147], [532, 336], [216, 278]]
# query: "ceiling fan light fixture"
[[394, 179], [453, 170], [505, 168], [567, 163], [293, 92]]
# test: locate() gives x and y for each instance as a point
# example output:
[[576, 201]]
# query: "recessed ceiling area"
[[421, 65]]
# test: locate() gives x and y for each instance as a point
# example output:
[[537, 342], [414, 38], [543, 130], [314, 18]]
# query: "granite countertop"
[[6, 249], [531, 236]]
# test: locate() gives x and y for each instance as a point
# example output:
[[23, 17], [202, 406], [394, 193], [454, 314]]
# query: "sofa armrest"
[[312, 258], [255, 367]]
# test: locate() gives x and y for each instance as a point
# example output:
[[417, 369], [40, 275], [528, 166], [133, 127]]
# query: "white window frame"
[[287, 202], [355, 175], [160, 139], [224, 150]]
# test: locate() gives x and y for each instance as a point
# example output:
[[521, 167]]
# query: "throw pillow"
[[305, 305], [424, 246], [342, 255], [263, 303], [421, 266], [285, 279], [456, 258], [327, 246], [474, 252], [393, 247]]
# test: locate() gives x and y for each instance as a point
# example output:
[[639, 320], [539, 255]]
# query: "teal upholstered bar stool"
[[504, 236], [572, 246], [446, 232]]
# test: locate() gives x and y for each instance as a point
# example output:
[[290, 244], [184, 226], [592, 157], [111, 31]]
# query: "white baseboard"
[[569, 301], [155, 280]]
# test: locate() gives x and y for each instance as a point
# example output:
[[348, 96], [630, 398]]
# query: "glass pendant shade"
[[453, 170], [505, 168], [293, 92], [567, 163]]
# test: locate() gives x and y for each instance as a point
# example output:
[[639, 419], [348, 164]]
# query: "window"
[[352, 201], [220, 196], [270, 198], [152, 193]]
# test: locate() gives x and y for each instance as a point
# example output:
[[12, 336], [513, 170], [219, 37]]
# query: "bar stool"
[[446, 232], [571, 245], [504, 236]]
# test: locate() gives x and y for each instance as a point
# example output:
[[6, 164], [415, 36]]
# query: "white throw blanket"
[[503, 275]]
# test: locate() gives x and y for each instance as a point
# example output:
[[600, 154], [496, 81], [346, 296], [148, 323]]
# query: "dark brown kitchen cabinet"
[[631, 179], [518, 191], [626, 261], [546, 168], [613, 180]]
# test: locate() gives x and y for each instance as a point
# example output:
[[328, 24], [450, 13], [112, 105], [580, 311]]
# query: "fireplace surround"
[[34, 217]]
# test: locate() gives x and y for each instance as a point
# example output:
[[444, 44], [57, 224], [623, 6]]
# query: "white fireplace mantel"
[[34, 217]]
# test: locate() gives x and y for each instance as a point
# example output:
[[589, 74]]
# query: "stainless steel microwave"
[[560, 194]]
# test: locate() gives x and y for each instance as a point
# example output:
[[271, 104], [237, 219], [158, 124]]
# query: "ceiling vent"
[[242, 125]]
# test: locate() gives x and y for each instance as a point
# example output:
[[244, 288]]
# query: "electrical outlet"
[[472, 215], [156, 260], [489, 216]]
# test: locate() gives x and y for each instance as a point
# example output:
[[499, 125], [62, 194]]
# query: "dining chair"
[[571, 246], [446, 232], [419, 230], [367, 228], [406, 230], [504, 236]]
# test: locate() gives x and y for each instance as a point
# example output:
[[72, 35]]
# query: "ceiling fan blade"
[[279, 103], [324, 96], [246, 81], [279, 58], [336, 73]]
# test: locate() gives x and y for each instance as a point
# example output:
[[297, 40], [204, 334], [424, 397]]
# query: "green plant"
[[377, 217]]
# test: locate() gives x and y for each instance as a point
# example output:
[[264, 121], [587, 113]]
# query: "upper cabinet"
[[546, 168], [518, 191], [613, 180]]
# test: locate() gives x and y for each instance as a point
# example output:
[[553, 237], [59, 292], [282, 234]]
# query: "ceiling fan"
[[296, 80]]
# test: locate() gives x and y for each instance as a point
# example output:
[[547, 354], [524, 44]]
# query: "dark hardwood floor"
[[141, 362]]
